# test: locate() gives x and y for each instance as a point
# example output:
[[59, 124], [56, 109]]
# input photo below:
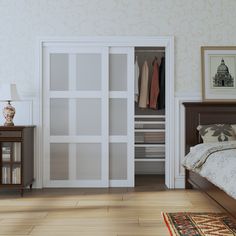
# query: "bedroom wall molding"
[[24, 111], [37, 119], [167, 41], [188, 95], [180, 134]]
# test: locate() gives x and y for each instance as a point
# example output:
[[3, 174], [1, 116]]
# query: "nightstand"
[[16, 157]]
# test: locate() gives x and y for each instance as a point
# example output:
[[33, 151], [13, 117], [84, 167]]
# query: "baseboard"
[[180, 182]]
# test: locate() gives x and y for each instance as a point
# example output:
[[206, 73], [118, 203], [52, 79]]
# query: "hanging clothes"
[[161, 99], [144, 88], [155, 89], [136, 80]]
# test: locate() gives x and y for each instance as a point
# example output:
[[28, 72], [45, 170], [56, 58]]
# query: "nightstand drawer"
[[10, 134]]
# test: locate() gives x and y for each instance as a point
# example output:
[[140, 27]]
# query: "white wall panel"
[[118, 72], [59, 161], [24, 112], [59, 116], [118, 116], [59, 72], [88, 116], [118, 161], [180, 135], [88, 161], [88, 72]]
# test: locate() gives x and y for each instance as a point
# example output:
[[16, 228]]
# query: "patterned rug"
[[199, 224]]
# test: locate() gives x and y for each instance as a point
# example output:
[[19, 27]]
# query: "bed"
[[204, 114]]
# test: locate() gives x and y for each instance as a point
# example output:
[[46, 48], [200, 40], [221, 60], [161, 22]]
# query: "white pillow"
[[217, 132]]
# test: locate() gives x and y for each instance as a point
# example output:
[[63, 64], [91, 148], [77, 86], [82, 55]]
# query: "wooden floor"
[[101, 212]]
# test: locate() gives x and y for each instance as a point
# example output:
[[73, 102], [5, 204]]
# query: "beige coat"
[[144, 87], [136, 78]]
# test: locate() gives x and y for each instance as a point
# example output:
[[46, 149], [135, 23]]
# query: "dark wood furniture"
[[207, 113], [16, 157]]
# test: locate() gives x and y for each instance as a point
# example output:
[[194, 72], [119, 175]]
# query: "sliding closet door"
[[75, 84], [121, 116]]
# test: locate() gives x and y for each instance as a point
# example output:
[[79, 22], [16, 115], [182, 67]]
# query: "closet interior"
[[149, 115]]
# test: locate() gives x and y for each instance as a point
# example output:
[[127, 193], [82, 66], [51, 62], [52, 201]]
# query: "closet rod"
[[149, 50]]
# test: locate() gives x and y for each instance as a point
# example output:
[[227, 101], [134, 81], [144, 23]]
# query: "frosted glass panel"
[[88, 72], [88, 116], [59, 116], [88, 161], [118, 72], [59, 161], [59, 71], [118, 116], [118, 161]]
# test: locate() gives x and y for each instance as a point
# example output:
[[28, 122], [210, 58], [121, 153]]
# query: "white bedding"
[[216, 162]]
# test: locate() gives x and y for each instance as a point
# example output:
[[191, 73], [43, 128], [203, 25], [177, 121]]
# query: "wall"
[[193, 23]]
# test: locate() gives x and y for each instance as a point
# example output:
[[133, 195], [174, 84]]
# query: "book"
[[16, 175], [17, 152], [6, 175], [6, 157], [6, 153]]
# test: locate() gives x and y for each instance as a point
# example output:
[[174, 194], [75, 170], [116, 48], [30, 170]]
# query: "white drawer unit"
[[149, 138]]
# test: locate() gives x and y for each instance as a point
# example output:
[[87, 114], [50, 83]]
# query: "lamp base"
[[9, 112]]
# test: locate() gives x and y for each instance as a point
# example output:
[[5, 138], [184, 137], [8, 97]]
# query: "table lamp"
[[8, 92]]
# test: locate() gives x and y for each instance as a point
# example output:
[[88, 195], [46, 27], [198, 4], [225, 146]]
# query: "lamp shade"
[[8, 92]]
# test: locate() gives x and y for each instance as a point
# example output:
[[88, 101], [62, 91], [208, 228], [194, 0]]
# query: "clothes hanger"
[[155, 59]]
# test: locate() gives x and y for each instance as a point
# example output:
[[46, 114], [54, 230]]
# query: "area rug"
[[199, 224]]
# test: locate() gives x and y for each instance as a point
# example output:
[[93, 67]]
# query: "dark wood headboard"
[[205, 113]]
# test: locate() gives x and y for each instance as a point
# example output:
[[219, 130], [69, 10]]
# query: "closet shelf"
[[150, 130], [150, 122], [149, 116], [149, 160], [149, 145]]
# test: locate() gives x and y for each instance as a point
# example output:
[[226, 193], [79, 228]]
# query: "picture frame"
[[218, 64]]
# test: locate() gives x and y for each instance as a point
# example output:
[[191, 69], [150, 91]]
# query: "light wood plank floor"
[[89, 212]]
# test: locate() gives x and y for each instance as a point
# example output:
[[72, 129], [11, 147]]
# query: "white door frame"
[[138, 41]]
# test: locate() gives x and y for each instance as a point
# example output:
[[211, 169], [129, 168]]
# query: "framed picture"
[[218, 73]]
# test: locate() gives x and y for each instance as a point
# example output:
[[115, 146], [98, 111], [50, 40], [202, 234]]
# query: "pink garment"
[[144, 89], [154, 86]]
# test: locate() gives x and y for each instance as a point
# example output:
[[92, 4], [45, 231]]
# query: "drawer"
[[10, 134], [151, 125], [150, 152], [149, 137]]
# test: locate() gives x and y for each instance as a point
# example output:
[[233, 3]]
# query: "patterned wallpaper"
[[193, 23]]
